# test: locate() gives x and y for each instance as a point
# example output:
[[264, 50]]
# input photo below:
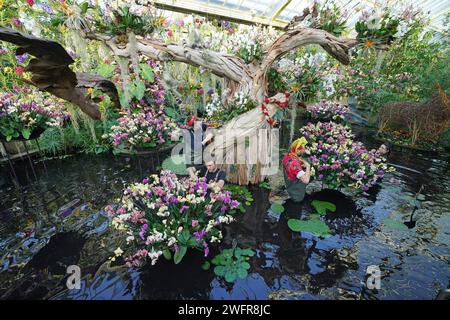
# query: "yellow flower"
[[118, 252], [62, 28], [1, 3]]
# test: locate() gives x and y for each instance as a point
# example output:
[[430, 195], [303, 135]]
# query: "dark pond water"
[[55, 219]]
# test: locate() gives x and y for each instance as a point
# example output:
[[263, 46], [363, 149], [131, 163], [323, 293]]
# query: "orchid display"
[[248, 43], [117, 17], [25, 110], [327, 111], [165, 215], [338, 160], [304, 75], [146, 129], [326, 15], [238, 104], [378, 27]]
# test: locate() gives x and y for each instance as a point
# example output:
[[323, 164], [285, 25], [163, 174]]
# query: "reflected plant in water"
[[165, 215]]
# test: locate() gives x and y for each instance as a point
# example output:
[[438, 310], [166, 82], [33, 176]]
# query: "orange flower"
[[369, 44]]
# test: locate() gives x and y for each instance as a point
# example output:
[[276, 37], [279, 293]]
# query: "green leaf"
[[170, 112], [231, 276], [322, 206], [176, 164], [277, 207], [139, 89], [178, 256], [420, 197], [316, 227], [26, 133], [147, 72], [106, 70], [84, 7], [245, 265], [206, 265], [242, 273], [191, 242], [167, 254], [394, 224], [220, 271]]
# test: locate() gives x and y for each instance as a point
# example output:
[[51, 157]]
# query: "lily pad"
[[394, 224], [314, 226], [206, 265], [322, 206], [277, 207], [175, 164]]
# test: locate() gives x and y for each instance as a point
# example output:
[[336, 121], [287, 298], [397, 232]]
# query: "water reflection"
[[57, 220]]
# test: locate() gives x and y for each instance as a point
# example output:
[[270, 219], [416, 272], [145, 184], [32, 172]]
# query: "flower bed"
[[26, 112], [327, 111], [338, 160], [165, 215]]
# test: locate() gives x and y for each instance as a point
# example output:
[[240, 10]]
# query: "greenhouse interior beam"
[[195, 7], [280, 10]]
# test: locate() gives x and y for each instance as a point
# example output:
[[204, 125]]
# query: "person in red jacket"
[[297, 171]]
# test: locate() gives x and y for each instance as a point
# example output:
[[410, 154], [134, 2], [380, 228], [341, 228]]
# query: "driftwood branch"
[[50, 72]]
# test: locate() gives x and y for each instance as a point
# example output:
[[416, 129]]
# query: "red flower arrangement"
[[281, 104]]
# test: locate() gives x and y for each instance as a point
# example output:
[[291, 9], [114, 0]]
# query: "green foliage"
[[275, 81], [265, 185], [106, 70], [394, 224], [176, 164], [322, 206], [277, 207], [147, 72], [125, 21], [241, 194], [313, 225], [232, 263], [445, 140]]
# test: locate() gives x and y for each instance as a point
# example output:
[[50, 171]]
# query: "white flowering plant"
[[165, 215], [249, 43], [380, 27], [238, 104]]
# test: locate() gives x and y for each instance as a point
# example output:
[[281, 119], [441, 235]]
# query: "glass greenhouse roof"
[[278, 12]]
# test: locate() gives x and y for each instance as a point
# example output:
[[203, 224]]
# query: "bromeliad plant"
[[165, 215], [338, 160], [25, 110], [303, 74], [327, 111]]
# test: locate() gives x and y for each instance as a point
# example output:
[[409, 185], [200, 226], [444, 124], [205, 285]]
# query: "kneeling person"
[[214, 176]]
